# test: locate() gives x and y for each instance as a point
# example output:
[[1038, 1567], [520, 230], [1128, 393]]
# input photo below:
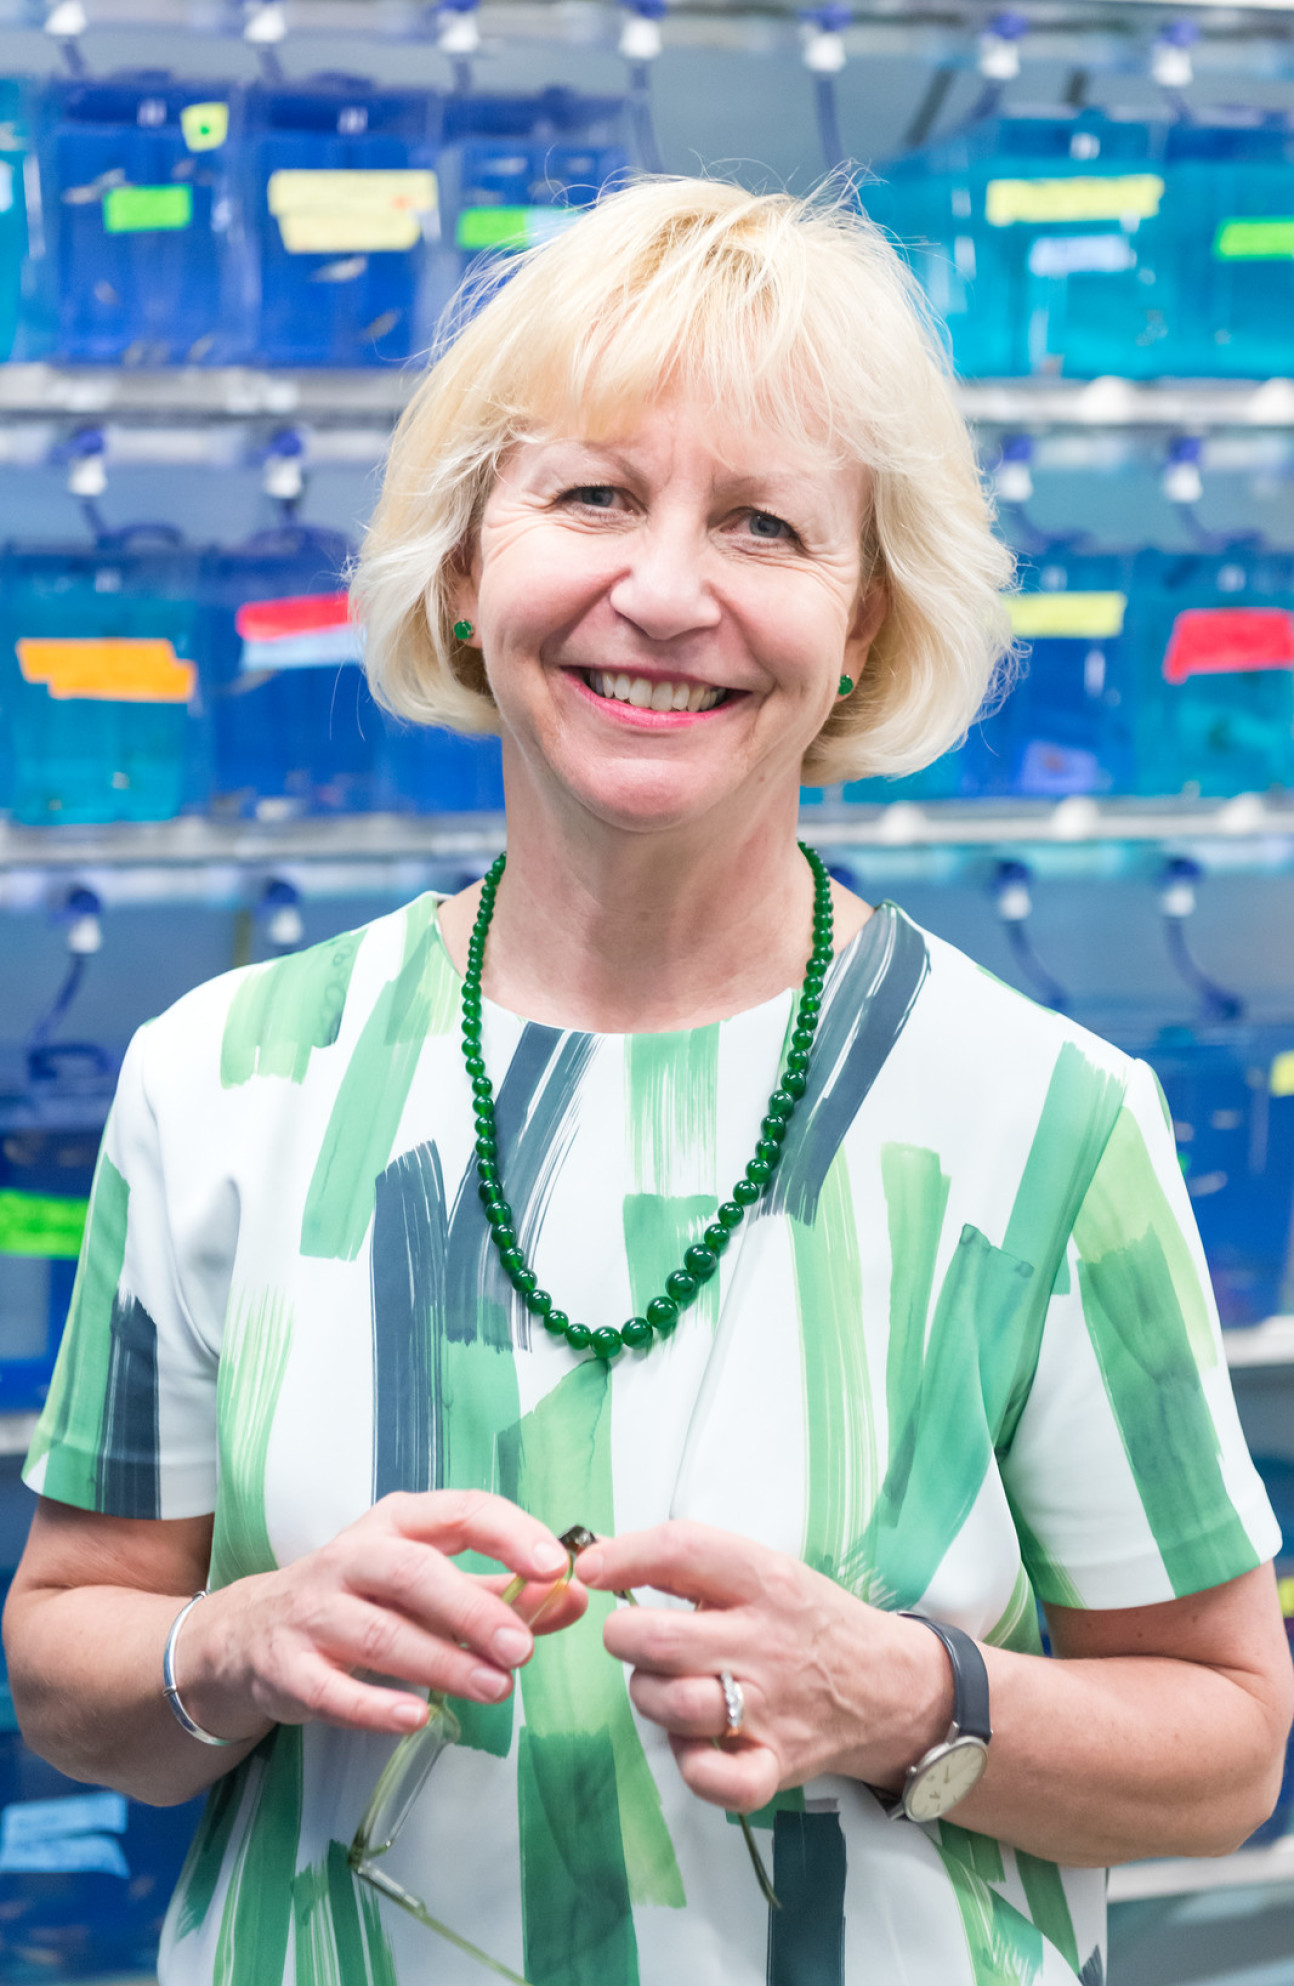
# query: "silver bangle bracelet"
[[170, 1688]]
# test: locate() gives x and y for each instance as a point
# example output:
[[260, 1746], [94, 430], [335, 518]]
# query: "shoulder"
[[279, 1018]]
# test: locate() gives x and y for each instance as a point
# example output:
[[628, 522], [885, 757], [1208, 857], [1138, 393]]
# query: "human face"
[[713, 570]]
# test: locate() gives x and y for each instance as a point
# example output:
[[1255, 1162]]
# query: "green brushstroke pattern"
[[1048, 1905], [252, 1365], [200, 1875], [1145, 1312], [806, 1936], [1005, 1948], [337, 1942], [283, 1011], [1017, 1625], [593, 1835], [257, 1919], [70, 1431], [840, 1444], [420, 1001], [671, 1097]]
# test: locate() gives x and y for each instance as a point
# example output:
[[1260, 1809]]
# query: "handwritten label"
[[107, 669], [147, 209], [1084, 197], [338, 213], [1220, 641], [1254, 241], [1072, 616]]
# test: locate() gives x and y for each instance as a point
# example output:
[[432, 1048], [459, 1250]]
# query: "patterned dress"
[[962, 1358]]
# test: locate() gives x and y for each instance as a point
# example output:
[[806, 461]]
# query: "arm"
[[93, 1601], [1159, 1730]]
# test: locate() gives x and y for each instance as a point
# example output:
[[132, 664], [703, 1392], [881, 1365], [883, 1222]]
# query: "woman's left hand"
[[830, 1685]]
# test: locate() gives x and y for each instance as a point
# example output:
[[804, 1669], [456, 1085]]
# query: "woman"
[[687, 514]]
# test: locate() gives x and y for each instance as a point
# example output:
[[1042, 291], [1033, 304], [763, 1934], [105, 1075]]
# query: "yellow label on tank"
[[1285, 1588], [1281, 1080], [107, 669], [346, 213], [205, 125], [1080, 616], [1084, 197]]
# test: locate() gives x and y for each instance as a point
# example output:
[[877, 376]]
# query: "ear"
[[464, 589], [869, 617]]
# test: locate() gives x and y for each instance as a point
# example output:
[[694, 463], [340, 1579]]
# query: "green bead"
[[769, 1153], [484, 1123], [489, 1185], [482, 1086], [636, 1333], [472, 1032], [745, 1193], [475, 1066], [556, 1321], [760, 1171], [700, 1262], [774, 1127], [681, 1286], [798, 1061], [504, 1236], [731, 1214], [513, 1260], [487, 1145], [578, 1337], [809, 1003], [781, 1103], [525, 1282], [538, 1303], [793, 1082], [802, 1038], [607, 1341], [498, 1213], [716, 1238], [662, 1314], [812, 988]]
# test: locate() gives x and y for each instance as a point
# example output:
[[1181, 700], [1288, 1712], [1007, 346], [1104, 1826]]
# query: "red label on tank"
[[299, 613], [1214, 641]]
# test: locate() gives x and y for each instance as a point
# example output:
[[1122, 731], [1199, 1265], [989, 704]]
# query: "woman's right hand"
[[384, 1597]]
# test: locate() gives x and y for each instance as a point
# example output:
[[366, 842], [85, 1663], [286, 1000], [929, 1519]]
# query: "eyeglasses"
[[409, 1767]]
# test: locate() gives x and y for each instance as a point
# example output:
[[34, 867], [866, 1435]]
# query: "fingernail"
[[548, 1558], [589, 1568], [490, 1684], [412, 1715], [511, 1645]]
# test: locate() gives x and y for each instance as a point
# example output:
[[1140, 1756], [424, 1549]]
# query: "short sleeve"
[[129, 1428], [1128, 1472]]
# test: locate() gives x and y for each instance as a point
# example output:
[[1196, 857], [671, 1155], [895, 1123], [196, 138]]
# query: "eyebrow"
[[760, 488]]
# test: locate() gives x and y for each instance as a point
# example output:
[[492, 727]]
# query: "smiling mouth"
[[647, 695]]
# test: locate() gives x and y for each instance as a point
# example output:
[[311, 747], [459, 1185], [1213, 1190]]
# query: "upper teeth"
[[654, 696]]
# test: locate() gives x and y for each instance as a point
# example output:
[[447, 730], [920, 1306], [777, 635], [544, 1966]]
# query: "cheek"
[[536, 587]]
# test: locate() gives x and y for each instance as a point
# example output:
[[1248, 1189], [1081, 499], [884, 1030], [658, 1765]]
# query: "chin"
[[639, 800]]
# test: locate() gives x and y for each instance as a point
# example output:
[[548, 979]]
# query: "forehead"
[[681, 432]]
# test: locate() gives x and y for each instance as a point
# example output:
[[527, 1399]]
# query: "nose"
[[664, 590]]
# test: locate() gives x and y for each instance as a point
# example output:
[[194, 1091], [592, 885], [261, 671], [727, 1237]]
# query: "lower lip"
[[647, 720]]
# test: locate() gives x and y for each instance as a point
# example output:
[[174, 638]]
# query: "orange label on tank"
[[1217, 641], [108, 670]]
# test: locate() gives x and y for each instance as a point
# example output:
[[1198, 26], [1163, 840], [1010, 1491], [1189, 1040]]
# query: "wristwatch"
[[947, 1772]]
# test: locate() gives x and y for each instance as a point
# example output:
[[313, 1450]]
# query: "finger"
[[686, 1706], [671, 1641], [544, 1605], [313, 1691], [474, 1520], [692, 1561], [364, 1636], [407, 1578], [740, 1778]]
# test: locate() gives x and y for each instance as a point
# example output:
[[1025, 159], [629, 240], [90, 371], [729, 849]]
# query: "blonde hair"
[[795, 316]]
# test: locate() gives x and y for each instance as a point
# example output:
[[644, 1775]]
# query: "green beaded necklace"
[[702, 1259]]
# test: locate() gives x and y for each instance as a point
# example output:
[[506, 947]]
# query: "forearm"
[[1112, 1760], [85, 1667]]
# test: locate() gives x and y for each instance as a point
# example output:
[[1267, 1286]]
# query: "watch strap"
[[970, 1678]]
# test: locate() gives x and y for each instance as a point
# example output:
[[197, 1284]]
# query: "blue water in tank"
[[340, 191], [1213, 636], [99, 688], [1233, 195], [15, 112], [136, 199]]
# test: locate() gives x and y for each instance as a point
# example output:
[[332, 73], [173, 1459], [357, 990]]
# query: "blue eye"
[[596, 496], [763, 524]]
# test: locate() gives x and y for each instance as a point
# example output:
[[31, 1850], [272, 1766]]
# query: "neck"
[[633, 932]]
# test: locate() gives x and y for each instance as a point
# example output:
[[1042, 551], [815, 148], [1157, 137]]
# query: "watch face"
[[945, 1779]]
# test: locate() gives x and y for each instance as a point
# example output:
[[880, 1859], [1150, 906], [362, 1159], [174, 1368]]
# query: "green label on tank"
[[1254, 241], [40, 1223], [511, 227], [147, 209]]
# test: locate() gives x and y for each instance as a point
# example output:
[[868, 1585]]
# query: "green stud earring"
[[846, 686], [463, 631]]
